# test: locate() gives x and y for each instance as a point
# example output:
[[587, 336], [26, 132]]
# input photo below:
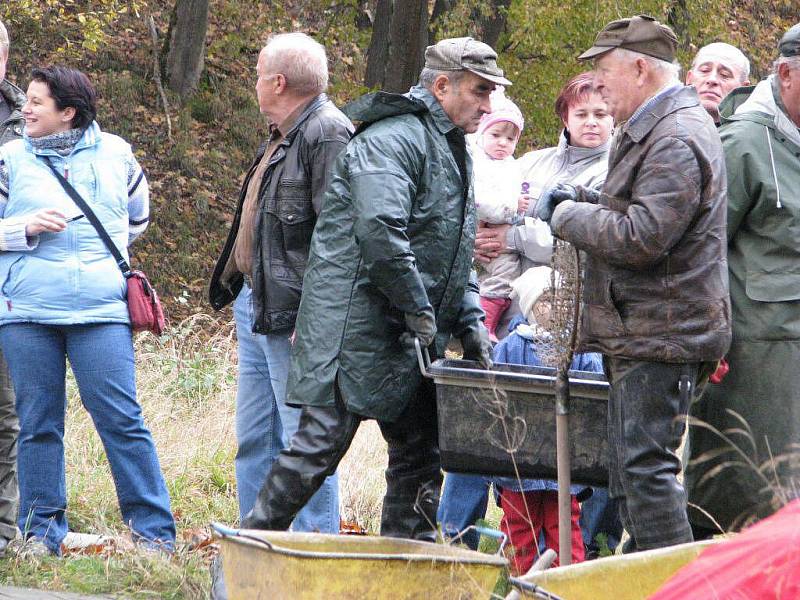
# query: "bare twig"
[[157, 74]]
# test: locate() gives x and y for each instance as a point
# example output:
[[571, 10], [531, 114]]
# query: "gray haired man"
[[262, 264], [656, 291], [717, 70], [11, 123]]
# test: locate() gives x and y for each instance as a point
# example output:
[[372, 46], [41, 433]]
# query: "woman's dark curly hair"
[[70, 88]]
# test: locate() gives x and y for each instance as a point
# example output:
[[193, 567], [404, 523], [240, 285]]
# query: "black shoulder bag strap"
[[89, 213]]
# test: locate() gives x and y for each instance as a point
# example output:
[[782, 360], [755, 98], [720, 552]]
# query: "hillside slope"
[[195, 177]]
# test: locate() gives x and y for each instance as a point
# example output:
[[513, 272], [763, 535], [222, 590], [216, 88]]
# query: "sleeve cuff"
[[558, 214], [511, 237], [13, 238]]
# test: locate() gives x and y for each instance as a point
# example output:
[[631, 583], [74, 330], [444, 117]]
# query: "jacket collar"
[[440, 118], [376, 106], [14, 96], [575, 154], [312, 106], [761, 107], [681, 97], [90, 137]]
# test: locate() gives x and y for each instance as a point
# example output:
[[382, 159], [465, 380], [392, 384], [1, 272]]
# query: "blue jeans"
[[265, 424], [464, 501], [600, 514], [101, 357]]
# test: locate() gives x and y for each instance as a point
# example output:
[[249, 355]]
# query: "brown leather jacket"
[[656, 285]]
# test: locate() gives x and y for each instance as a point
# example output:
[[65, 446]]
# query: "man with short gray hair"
[[12, 122], [760, 134], [262, 264], [655, 295], [390, 267], [717, 70]]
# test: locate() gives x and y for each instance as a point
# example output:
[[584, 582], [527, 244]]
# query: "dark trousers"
[[413, 476], [646, 419]]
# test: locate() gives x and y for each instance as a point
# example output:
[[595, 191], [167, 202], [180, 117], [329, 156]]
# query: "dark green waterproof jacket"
[[757, 405], [395, 236]]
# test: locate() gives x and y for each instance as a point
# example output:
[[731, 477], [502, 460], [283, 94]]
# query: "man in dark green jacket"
[[11, 124], [757, 405], [390, 263]]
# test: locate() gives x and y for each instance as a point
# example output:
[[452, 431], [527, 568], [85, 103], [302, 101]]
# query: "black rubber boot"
[[323, 436], [414, 475], [412, 515]]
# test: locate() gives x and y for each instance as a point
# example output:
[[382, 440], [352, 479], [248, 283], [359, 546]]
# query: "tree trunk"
[[494, 25], [396, 51], [678, 18], [186, 44]]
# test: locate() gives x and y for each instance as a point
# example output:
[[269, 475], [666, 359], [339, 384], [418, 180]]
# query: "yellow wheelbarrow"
[[299, 566]]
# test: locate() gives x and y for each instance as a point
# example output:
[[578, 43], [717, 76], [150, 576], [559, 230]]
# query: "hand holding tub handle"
[[478, 346], [553, 197], [422, 326]]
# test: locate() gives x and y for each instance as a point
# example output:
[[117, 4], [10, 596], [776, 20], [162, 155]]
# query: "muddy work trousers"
[[413, 477], [9, 429], [648, 404]]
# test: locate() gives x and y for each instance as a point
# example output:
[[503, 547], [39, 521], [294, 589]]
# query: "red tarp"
[[762, 562]]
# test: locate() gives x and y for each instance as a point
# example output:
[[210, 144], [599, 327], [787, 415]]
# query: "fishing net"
[[557, 312]]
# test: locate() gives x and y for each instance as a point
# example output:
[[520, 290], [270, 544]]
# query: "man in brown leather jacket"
[[656, 292]]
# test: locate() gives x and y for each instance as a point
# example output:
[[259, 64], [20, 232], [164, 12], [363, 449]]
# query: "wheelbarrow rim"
[[241, 536]]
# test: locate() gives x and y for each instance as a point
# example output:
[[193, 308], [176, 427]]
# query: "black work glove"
[[478, 347], [553, 197], [422, 326]]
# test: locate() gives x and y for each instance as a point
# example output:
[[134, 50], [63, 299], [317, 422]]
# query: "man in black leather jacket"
[[11, 124], [264, 258]]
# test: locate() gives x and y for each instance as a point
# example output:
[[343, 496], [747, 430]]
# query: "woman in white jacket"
[[580, 158]]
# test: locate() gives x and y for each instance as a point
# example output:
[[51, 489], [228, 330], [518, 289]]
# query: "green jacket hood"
[[376, 106], [759, 104], [731, 102]]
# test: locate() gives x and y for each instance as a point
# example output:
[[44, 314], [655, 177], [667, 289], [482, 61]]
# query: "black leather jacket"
[[11, 128], [290, 199]]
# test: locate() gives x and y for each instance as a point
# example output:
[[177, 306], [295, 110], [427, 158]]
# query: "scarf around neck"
[[62, 142]]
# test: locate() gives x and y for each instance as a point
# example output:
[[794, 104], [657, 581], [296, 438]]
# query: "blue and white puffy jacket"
[[68, 277]]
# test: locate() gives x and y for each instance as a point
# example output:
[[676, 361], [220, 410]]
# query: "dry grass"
[[187, 389], [361, 480], [186, 386]]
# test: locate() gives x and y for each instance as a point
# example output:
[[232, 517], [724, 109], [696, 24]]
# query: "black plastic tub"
[[502, 422]]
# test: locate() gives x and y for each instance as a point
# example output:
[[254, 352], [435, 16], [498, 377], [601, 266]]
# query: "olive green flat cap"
[[460, 54], [641, 33]]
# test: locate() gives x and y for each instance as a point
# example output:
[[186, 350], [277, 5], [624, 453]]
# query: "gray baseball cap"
[[790, 42], [465, 54]]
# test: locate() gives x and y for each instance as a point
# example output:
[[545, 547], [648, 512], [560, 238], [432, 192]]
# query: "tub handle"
[[487, 531], [224, 530], [424, 359]]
